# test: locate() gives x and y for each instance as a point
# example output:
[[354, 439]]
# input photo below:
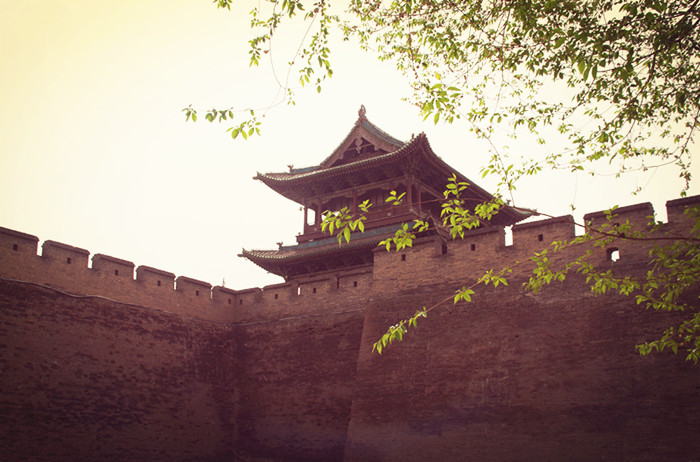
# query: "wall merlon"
[[489, 239], [252, 290], [249, 296], [279, 292], [485, 230], [636, 213], [314, 287], [683, 202], [65, 252], [675, 209], [280, 286], [156, 277], [312, 280], [193, 287], [223, 295], [564, 219], [544, 231], [19, 242], [112, 265]]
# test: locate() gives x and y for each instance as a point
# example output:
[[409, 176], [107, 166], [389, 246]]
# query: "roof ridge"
[[363, 121], [295, 175]]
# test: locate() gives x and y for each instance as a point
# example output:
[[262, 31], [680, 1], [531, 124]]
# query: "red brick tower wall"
[[521, 376], [512, 376]]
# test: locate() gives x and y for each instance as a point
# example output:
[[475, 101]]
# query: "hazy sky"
[[95, 151]]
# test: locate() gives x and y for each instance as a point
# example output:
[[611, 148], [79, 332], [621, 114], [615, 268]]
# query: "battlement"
[[68, 268], [429, 261], [462, 261], [65, 267]]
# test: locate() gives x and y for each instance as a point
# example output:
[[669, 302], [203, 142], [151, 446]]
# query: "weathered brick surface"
[[285, 372], [518, 377], [90, 379], [295, 380]]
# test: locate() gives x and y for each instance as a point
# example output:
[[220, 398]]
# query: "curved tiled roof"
[[290, 184], [279, 261], [304, 175]]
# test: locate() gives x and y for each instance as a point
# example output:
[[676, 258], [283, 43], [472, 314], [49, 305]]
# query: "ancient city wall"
[[521, 376], [66, 267], [86, 378], [112, 362], [463, 261]]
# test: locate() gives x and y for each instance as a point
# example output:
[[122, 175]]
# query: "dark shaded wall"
[[295, 381], [92, 379]]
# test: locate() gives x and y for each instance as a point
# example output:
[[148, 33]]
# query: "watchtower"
[[367, 165]]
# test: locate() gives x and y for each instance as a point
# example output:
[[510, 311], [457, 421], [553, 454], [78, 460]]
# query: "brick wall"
[[519, 377], [113, 362], [87, 379]]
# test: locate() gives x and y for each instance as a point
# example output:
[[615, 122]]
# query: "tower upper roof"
[[368, 154], [367, 159]]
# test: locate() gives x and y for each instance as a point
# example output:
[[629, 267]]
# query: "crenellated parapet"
[[68, 269], [65, 267], [318, 295], [429, 262], [432, 261]]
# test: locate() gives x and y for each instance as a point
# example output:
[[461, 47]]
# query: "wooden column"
[[354, 202], [420, 200]]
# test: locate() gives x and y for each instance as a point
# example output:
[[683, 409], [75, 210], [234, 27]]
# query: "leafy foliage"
[[669, 284], [618, 80], [344, 223], [628, 70]]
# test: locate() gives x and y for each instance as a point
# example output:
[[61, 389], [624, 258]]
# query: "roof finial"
[[362, 111]]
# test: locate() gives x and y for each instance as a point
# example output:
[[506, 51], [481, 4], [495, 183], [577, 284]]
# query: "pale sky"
[[95, 151]]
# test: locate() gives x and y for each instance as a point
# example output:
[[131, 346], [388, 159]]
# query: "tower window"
[[403, 257], [116, 272], [158, 283], [240, 302], [229, 301], [354, 283], [313, 290], [196, 293], [15, 247], [276, 296], [69, 261], [473, 247], [540, 237]]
